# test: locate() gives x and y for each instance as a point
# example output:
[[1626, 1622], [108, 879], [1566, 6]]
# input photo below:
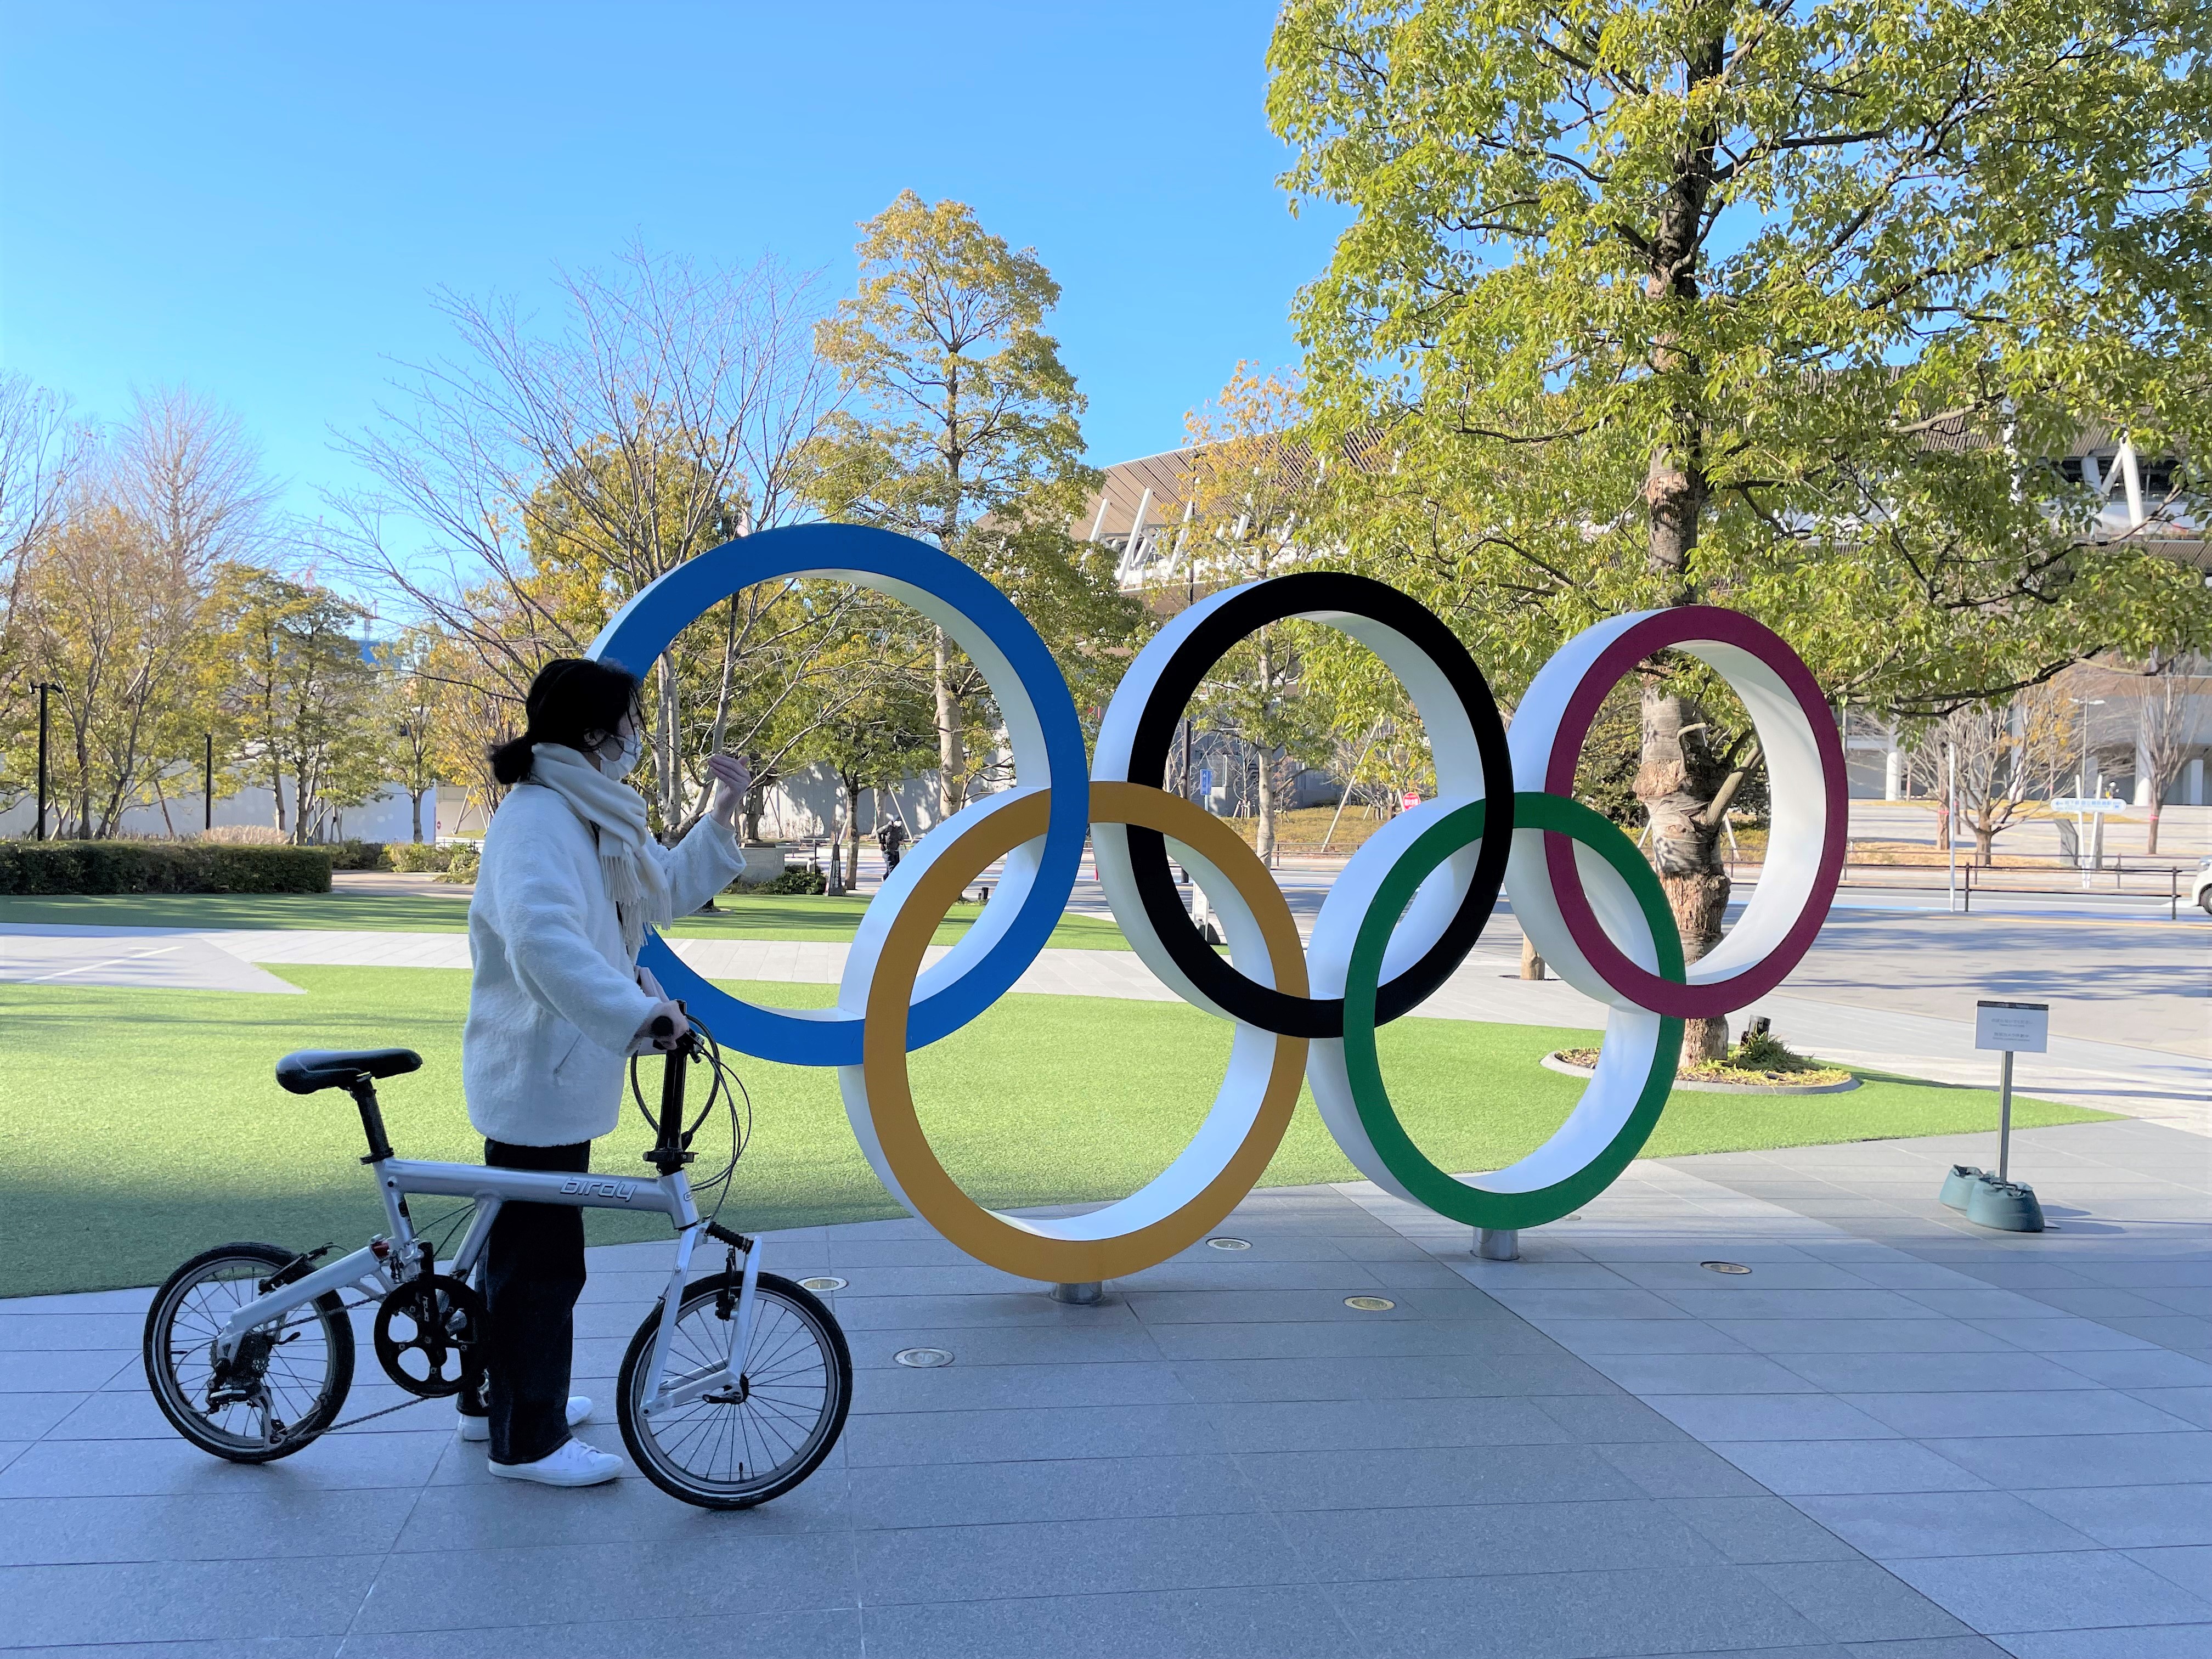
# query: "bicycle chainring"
[[429, 1335]]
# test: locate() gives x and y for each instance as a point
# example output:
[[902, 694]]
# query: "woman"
[[571, 878]]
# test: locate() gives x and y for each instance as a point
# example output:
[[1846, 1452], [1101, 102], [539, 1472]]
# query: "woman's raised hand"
[[733, 778]]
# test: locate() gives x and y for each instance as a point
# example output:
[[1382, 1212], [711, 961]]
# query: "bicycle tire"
[[173, 1394], [793, 1333]]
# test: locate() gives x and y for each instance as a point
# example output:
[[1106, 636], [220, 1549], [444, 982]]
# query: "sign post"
[[1997, 1200], [2084, 808]]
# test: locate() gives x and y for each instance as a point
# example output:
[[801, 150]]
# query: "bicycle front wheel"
[[745, 1444]]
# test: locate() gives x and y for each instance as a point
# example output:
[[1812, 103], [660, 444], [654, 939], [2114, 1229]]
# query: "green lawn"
[[138, 1126], [791, 917]]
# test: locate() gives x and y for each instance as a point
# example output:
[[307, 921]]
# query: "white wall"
[[386, 818]]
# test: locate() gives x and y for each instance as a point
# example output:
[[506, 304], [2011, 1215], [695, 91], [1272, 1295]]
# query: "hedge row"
[[160, 866]]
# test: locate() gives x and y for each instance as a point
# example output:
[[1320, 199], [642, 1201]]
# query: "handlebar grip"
[[663, 1026]]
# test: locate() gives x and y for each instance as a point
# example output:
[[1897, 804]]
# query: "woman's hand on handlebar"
[[661, 1029]]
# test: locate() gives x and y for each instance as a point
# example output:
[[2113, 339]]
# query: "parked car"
[[2200, 885]]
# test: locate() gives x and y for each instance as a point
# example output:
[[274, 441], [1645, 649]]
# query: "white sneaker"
[[575, 1464], [479, 1428]]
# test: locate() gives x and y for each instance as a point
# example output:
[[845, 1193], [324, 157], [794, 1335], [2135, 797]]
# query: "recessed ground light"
[[924, 1359], [824, 1282], [1370, 1303], [1724, 1266], [1230, 1243]]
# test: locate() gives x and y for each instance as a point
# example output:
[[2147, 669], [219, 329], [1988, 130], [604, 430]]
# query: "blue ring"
[[644, 628]]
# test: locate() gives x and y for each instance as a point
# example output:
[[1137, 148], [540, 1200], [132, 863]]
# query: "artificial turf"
[[736, 915], [138, 1126]]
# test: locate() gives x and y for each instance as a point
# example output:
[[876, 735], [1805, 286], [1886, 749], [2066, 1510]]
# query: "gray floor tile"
[[2193, 1406], [2073, 1411], [1732, 1303], [1888, 1373], [1084, 1557], [1279, 1622], [1758, 1529], [29, 1416], [1072, 1489], [1410, 1376], [1860, 1336], [1599, 1419], [1640, 1336], [1476, 1540], [829, 1633], [503, 1514], [1435, 1478], [1991, 1302], [973, 1386], [1889, 1525], [174, 1601], [1858, 1600], [108, 1469], [76, 1333], [2060, 1335], [2139, 1642], [1624, 1304], [1016, 1345], [1027, 1309], [1161, 1308], [31, 1372], [1717, 1416], [2187, 1565], [1699, 1374], [2133, 1517], [2086, 1589], [677, 1578], [1680, 1469], [1344, 1425], [966, 1436], [1798, 1467], [1574, 1615], [264, 1647], [2086, 1460], [1378, 1338], [1764, 1276], [235, 1526]]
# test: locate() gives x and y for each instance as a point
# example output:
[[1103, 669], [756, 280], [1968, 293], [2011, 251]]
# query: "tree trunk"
[[1985, 840], [1674, 783], [853, 832], [415, 797], [952, 758], [2150, 845]]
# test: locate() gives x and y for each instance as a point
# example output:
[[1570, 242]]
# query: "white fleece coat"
[[555, 1000]]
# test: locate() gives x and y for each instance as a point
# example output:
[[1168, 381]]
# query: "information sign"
[[2084, 807], [2017, 1028]]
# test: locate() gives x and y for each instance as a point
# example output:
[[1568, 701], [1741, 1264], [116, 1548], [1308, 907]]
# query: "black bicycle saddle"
[[310, 1069]]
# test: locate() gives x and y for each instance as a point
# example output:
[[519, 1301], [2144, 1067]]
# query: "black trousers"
[[534, 1273]]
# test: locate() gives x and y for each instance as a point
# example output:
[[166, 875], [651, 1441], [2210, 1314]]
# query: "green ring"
[[1427, 1183]]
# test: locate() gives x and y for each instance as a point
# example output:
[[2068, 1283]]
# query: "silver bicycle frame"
[[379, 1268]]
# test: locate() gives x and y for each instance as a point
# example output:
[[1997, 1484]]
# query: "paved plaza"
[[1897, 1436]]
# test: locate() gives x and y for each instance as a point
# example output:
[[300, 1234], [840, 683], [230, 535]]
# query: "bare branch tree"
[[550, 476]]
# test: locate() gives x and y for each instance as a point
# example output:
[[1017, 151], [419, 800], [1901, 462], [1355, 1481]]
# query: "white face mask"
[[622, 760]]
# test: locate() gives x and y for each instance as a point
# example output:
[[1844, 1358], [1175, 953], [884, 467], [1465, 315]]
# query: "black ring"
[[1315, 593]]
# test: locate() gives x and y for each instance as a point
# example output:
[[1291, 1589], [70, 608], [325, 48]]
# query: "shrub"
[[418, 856], [360, 855], [245, 834], [467, 857], [797, 879], [140, 866]]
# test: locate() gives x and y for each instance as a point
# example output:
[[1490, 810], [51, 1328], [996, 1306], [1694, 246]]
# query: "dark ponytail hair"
[[574, 701]]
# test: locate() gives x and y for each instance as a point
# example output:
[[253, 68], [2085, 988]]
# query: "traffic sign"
[[1409, 801], [1204, 780]]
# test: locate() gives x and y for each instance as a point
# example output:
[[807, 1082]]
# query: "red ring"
[[1695, 624]]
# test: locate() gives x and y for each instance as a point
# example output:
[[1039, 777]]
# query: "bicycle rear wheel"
[[291, 1376], [742, 1445]]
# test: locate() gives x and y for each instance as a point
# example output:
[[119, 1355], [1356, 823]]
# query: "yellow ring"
[[879, 1094]]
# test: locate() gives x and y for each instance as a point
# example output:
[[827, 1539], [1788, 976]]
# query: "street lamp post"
[[43, 687], [207, 785]]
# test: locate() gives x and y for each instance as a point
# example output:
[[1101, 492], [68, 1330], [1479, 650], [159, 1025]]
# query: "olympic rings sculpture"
[[1408, 908]]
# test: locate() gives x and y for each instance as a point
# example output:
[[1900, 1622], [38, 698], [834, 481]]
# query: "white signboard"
[[2082, 806], [2017, 1028]]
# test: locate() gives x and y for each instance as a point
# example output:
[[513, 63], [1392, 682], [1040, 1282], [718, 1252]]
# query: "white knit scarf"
[[633, 875]]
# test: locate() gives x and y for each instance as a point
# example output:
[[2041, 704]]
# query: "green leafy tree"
[[965, 432], [1648, 302], [303, 699]]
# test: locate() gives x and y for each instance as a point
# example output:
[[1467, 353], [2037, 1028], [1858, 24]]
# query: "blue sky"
[[254, 200]]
